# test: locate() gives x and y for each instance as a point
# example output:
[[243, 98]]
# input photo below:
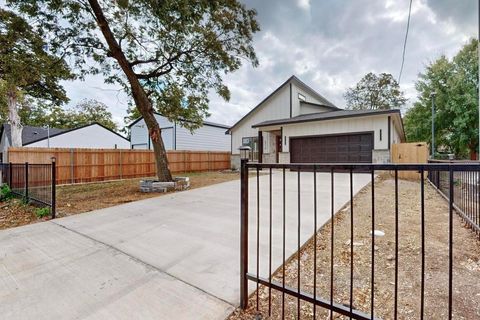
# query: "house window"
[[301, 97], [251, 142]]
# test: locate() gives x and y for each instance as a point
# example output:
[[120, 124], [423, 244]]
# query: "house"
[[296, 124], [88, 136], [209, 137]]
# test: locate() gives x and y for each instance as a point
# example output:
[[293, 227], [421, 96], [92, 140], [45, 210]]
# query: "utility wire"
[[405, 42]]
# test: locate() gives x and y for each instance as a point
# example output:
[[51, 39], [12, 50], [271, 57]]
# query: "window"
[[251, 142], [301, 97]]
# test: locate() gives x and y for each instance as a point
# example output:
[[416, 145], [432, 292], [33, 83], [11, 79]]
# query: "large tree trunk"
[[14, 119], [139, 95]]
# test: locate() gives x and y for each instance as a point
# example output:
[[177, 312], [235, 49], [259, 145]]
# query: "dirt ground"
[[466, 266], [74, 199], [14, 213]]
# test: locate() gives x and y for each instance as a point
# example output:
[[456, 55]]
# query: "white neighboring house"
[[209, 137], [295, 124], [88, 136]]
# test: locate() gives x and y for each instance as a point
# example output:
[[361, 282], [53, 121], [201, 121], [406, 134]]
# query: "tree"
[[85, 112], [167, 55], [90, 111], [455, 83], [375, 92], [26, 68]]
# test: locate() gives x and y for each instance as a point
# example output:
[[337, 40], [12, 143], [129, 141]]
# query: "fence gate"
[[266, 249]]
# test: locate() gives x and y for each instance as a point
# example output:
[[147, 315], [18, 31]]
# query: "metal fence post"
[[54, 182], [26, 181], [10, 178], [243, 233]]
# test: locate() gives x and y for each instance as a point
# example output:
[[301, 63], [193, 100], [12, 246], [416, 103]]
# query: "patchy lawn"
[[466, 270], [73, 199]]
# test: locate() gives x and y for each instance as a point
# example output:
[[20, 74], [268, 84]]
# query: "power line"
[[405, 42]]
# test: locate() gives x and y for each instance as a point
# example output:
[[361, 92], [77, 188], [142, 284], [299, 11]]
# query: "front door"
[[278, 147]]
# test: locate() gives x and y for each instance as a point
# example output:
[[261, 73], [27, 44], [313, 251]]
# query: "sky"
[[328, 44]]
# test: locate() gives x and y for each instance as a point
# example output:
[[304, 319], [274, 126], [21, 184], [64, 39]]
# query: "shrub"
[[42, 212], [5, 193]]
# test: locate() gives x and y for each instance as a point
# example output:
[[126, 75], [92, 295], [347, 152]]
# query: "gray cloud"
[[330, 45]]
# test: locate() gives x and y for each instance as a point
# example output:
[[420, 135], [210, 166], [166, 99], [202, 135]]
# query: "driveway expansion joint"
[[137, 260]]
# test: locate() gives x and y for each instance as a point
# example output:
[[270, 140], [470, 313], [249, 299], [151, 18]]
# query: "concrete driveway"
[[170, 257]]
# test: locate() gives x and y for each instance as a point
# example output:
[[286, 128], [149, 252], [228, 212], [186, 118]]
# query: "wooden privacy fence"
[[412, 152], [79, 165]]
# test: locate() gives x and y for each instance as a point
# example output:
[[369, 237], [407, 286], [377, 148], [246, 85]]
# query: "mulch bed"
[[466, 270], [14, 213]]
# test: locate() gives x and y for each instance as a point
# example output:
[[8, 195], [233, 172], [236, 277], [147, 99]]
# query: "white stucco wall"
[[93, 136], [175, 137]]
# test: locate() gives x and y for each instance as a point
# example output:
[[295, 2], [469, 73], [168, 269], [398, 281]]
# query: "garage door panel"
[[346, 148]]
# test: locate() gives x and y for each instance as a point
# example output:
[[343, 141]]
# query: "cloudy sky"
[[330, 45]]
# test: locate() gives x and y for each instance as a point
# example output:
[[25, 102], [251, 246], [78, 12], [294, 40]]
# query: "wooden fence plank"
[[413, 152], [89, 165]]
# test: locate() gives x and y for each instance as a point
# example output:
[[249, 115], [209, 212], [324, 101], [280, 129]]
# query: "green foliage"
[[5, 193], [178, 50], [25, 64], [455, 83], [40, 114], [375, 92], [42, 212]]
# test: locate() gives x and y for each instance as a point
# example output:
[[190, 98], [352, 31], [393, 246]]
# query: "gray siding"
[[204, 138], [175, 137]]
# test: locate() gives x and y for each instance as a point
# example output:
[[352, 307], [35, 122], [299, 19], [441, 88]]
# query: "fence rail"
[[32, 182], [295, 213], [90, 165], [465, 189]]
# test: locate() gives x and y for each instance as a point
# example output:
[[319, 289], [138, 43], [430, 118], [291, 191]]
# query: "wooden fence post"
[[72, 177]]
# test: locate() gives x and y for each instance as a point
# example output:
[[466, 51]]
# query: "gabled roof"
[[329, 115], [31, 134], [293, 78], [205, 123], [34, 134]]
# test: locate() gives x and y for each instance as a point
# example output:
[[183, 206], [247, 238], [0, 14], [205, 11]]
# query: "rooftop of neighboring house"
[[30, 134]]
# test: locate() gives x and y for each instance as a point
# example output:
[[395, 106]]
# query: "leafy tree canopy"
[[455, 83], [375, 92], [25, 65], [167, 55], [41, 114], [178, 50]]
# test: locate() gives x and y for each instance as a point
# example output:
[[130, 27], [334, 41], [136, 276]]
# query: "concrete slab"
[[194, 235], [170, 257], [49, 272]]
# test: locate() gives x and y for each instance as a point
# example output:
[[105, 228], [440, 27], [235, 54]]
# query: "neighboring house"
[[89, 136], [295, 124], [209, 137]]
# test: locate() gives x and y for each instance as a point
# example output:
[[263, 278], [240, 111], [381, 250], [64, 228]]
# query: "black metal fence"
[[35, 183], [455, 181], [466, 191]]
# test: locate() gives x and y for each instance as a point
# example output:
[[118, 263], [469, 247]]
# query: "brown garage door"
[[346, 148]]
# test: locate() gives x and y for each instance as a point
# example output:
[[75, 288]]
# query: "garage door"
[[348, 148]]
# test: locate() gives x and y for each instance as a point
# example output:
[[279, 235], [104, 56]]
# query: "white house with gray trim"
[[93, 135], [296, 124], [209, 137]]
